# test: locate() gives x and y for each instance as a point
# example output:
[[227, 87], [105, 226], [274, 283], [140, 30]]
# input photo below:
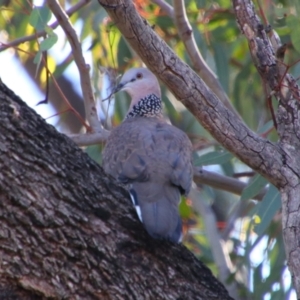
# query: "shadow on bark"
[[69, 232]]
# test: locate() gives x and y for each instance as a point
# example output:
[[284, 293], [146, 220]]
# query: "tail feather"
[[159, 211], [134, 200]]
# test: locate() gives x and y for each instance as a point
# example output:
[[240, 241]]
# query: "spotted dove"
[[151, 156]]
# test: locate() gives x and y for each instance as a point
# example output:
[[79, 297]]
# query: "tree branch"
[[199, 65], [185, 31], [86, 86], [166, 7], [88, 139], [262, 155], [222, 182]]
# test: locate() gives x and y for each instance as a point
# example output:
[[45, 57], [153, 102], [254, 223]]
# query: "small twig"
[[270, 106], [243, 174], [83, 68], [68, 103], [90, 139], [45, 59], [185, 32]]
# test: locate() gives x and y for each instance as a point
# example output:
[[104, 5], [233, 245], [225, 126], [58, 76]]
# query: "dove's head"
[[139, 83]]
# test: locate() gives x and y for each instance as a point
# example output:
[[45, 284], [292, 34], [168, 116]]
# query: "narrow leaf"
[[47, 43], [254, 187], [294, 22], [266, 209], [265, 127], [39, 17], [214, 158], [37, 58]]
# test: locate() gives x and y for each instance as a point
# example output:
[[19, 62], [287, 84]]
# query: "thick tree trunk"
[[265, 49], [68, 231], [278, 162]]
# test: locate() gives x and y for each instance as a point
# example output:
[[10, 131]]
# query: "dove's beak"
[[119, 87]]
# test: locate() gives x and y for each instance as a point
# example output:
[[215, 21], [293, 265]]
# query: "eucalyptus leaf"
[[214, 158], [266, 127], [47, 43], [254, 187], [39, 17], [38, 57], [267, 209], [293, 22]]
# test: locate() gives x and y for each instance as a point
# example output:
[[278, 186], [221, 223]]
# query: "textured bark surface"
[[263, 47], [278, 162], [69, 232]]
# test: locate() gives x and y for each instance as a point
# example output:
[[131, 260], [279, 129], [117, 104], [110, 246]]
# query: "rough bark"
[[278, 162], [69, 232], [264, 48]]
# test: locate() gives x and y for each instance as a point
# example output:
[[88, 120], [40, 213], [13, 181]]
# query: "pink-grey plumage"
[[153, 157]]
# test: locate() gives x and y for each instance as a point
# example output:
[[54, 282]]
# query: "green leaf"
[[47, 43], [266, 127], [228, 168], [185, 209], [38, 57], [267, 208], [94, 152], [254, 187], [214, 158], [39, 17], [124, 54], [293, 22], [37, 60], [221, 54]]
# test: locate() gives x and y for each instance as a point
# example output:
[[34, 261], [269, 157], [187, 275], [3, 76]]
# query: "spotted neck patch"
[[149, 106]]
